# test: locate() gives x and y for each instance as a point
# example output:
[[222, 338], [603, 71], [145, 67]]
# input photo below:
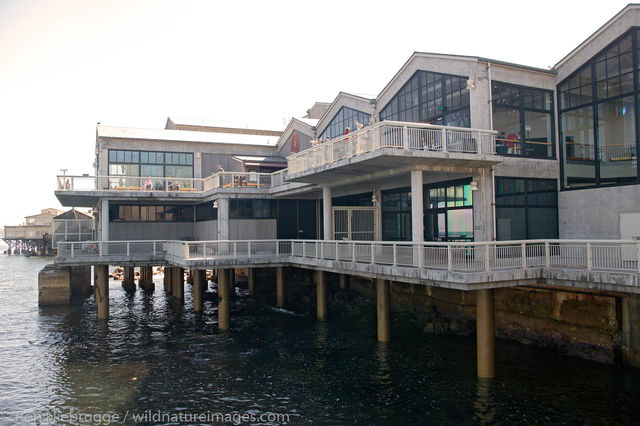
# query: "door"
[[354, 223], [297, 219]]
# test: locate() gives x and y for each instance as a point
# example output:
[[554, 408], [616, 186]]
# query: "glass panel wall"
[[598, 110], [526, 208], [431, 98], [252, 209], [346, 117], [448, 211], [151, 164], [396, 215], [150, 213], [523, 117]]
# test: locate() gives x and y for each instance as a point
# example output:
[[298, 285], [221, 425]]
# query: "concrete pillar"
[[485, 332], [223, 299], [630, 338], [251, 281], [482, 207], [178, 283], [342, 281], [384, 314], [321, 294], [80, 281], [127, 282], [197, 289], [280, 290], [168, 285], [378, 206], [327, 216], [223, 219], [417, 206], [54, 286], [146, 278], [101, 291], [104, 220]]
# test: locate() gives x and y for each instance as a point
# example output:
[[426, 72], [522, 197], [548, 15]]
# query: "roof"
[[73, 214], [295, 124], [178, 123], [308, 121], [251, 160], [184, 136]]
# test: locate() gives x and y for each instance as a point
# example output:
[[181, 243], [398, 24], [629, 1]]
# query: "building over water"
[[454, 149], [32, 237]]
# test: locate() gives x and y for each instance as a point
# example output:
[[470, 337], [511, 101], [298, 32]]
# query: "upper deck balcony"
[[391, 144], [84, 191]]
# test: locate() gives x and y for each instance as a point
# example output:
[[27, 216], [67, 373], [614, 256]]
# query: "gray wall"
[[253, 229], [150, 231], [595, 213], [207, 230], [305, 143]]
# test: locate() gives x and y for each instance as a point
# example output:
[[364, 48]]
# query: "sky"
[[66, 65]]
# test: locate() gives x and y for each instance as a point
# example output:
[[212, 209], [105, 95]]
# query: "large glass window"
[[396, 215], [150, 213], [598, 114], [151, 164], [346, 117], [252, 209], [448, 211], [523, 117], [431, 98], [526, 208]]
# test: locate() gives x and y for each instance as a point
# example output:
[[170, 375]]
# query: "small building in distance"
[[34, 236]]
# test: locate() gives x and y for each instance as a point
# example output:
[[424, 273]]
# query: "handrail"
[[601, 255]]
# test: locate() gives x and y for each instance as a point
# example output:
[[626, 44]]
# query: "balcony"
[[390, 143]]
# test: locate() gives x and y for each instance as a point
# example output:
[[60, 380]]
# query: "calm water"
[[157, 355]]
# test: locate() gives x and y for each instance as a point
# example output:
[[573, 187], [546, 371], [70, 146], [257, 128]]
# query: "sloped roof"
[[73, 214]]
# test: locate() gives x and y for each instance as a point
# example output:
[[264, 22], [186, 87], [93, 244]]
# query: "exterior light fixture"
[[374, 198], [471, 83], [474, 185], [215, 204]]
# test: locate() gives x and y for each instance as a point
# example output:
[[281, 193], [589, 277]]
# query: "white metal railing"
[[171, 184], [600, 255], [394, 134]]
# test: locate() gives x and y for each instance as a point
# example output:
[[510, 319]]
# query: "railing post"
[[204, 249], [258, 181], [639, 257], [444, 140], [420, 255], [449, 258], [523, 248], [321, 250], [278, 248], [353, 252], [547, 260], [373, 256], [235, 249], [154, 248], [487, 257], [405, 136], [72, 251], [128, 247], [100, 248], [395, 254], [589, 257], [249, 246], [478, 137], [337, 251]]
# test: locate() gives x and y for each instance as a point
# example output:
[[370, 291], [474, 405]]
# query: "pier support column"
[[485, 331], [223, 219], [342, 281], [280, 286], [630, 338], [102, 291], [167, 279], [384, 314], [223, 299], [197, 277], [128, 282], [251, 281], [178, 283], [146, 278], [321, 295]]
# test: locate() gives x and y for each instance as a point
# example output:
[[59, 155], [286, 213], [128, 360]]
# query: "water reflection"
[[383, 373], [484, 406]]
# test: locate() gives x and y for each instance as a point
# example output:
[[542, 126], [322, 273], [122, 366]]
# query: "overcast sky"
[[67, 64]]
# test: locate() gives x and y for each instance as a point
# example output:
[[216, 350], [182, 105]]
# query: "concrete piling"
[[251, 281], [102, 291], [128, 283], [223, 299], [384, 314], [197, 277], [178, 283], [321, 295], [342, 281], [280, 289], [485, 332]]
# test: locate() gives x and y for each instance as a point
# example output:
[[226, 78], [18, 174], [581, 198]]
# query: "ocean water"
[[156, 362]]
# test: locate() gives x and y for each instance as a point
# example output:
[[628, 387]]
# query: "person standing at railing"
[[148, 185]]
